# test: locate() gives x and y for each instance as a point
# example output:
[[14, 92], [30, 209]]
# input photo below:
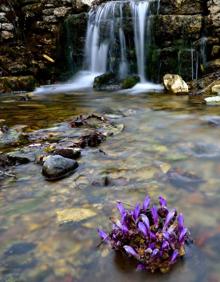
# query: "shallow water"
[[161, 132]]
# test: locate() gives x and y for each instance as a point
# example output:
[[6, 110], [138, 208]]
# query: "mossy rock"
[[17, 83], [107, 81], [130, 81]]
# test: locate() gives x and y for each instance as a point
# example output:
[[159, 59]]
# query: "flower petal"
[[121, 208], [142, 228], [169, 217], [174, 256], [136, 212], [155, 215], [146, 203], [146, 221], [166, 236], [180, 220], [102, 234], [162, 201], [140, 266], [182, 235], [152, 236], [131, 251], [165, 245], [155, 252]]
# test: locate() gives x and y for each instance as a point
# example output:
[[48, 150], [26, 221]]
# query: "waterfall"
[[106, 29], [116, 32], [123, 68], [139, 10], [101, 35]]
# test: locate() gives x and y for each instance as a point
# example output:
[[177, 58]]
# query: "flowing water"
[[139, 11], [106, 45], [161, 132]]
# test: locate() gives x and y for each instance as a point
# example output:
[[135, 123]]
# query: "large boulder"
[[106, 82], [57, 167], [175, 84]]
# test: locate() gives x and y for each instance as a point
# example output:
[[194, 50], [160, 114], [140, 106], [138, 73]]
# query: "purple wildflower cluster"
[[154, 236]]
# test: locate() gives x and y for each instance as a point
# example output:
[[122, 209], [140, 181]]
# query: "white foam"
[[81, 81], [145, 87]]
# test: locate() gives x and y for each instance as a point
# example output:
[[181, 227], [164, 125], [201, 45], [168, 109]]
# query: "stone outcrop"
[[29, 30]]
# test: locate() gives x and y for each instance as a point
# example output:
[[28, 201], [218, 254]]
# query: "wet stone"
[[19, 158], [57, 167], [182, 179], [70, 153], [20, 249], [214, 121], [203, 150], [91, 140]]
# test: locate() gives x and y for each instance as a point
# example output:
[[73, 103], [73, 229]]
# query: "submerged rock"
[[202, 150], [175, 84], [57, 167], [93, 139], [183, 179], [20, 249], [74, 214], [12, 136]]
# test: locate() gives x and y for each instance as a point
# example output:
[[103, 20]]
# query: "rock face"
[[43, 38], [216, 87], [175, 84], [57, 167], [29, 30], [214, 15]]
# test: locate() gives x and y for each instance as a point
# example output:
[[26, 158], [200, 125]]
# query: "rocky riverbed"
[[152, 145]]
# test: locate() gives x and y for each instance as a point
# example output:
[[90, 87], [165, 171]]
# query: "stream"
[[169, 147]]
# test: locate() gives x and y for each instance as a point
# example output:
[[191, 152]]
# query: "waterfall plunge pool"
[[83, 80]]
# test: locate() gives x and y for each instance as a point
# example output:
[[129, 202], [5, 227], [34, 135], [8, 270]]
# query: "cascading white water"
[[139, 11], [106, 48], [123, 68], [96, 49]]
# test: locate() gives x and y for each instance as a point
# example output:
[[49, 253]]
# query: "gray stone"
[[61, 12], [57, 167], [48, 12], [5, 8], [214, 14], [2, 17], [7, 26], [6, 34], [50, 19], [70, 153]]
